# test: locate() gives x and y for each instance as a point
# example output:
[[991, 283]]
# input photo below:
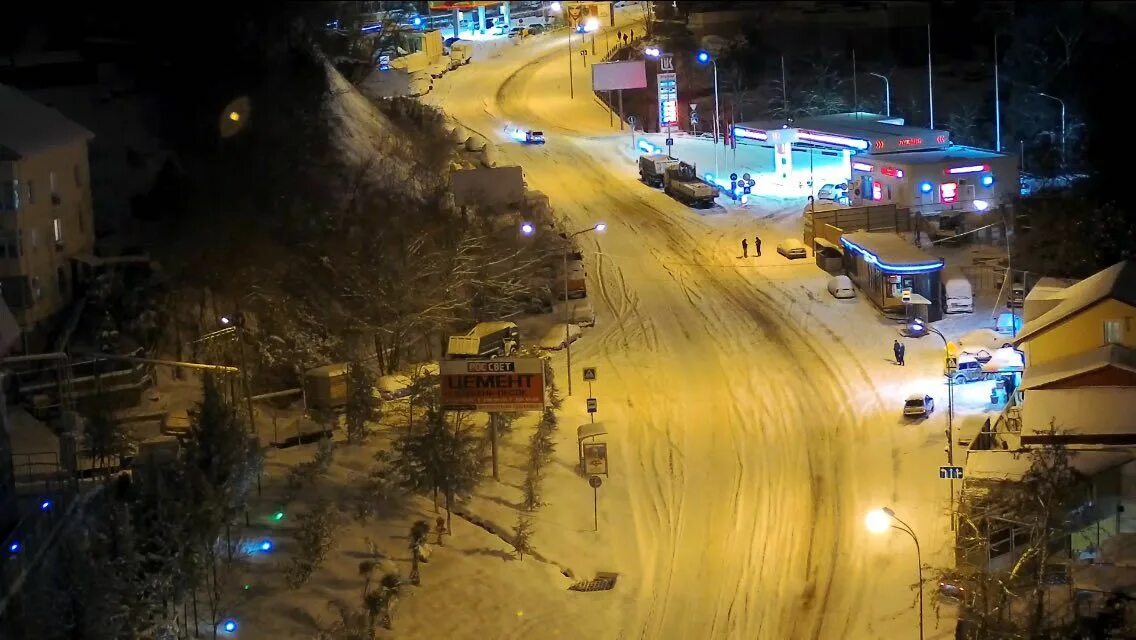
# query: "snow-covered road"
[[748, 433]]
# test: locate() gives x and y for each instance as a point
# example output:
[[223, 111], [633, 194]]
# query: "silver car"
[[918, 405]]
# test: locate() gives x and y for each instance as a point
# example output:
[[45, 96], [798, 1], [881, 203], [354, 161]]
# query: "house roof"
[[995, 464], [28, 127], [1117, 282], [1113, 355], [1093, 411], [954, 152]]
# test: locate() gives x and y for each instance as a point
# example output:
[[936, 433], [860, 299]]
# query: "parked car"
[[519, 32], [918, 405], [792, 249], [833, 192], [969, 370], [841, 287], [1009, 324], [536, 29], [557, 337], [958, 295], [982, 343]]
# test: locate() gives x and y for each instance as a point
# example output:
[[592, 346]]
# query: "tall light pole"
[[997, 102], [930, 79], [1046, 95], [919, 325], [528, 230], [887, 91], [704, 57], [881, 520]]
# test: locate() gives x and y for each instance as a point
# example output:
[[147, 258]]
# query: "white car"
[[833, 192], [982, 343], [841, 287], [792, 249], [918, 405], [557, 338]]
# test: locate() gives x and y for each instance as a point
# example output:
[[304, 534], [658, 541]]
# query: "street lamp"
[[887, 90], [528, 229], [1046, 95], [917, 327], [703, 58], [881, 520]]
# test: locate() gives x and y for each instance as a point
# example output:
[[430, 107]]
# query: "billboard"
[[487, 186], [500, 384], [608, 76], [668, 99], [579, 12]]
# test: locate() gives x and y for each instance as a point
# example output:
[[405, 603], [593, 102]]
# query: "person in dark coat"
[[898, 349], [745, 248], [757, 245]]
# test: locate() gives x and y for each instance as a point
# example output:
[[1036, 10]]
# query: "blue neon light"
[[703, 57], [872, 258], [987, 181], [926, 187]]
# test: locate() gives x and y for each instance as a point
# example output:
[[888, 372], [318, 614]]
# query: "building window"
[[57, 230], [9, 195], [61, 276], [31, 192], [9, 245], [1114, 331]]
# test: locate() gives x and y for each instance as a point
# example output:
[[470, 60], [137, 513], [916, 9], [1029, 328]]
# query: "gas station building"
[[892, 163]]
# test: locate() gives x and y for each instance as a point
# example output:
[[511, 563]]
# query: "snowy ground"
[[752, 419]]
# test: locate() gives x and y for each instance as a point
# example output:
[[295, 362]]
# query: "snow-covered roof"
[[1117, 282], [889, 248], [954, 152], [28, 127], [1049, 288], [1096, 411], [995, 464], [1113, 355]]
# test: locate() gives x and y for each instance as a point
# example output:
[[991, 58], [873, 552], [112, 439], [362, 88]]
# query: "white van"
[[958, 295]]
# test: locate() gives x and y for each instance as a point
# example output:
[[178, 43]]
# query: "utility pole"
[[855, 88], [930, 79], [997, 102], [571, 82], [784, 89]]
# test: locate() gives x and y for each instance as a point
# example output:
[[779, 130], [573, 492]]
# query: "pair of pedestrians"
[[756, 247], [899, 350]]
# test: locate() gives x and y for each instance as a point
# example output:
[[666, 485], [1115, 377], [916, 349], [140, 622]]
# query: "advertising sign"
[[668, 99], [608, 76], [500, 384], [595, 459]]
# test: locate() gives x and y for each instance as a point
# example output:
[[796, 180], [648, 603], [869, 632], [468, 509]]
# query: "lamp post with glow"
[[881, 520], [703, 58], [887, 91], [528, 229], [1062, 102], [918, 326]]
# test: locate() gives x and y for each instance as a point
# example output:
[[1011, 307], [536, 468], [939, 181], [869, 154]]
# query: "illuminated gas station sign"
[[668, 99]]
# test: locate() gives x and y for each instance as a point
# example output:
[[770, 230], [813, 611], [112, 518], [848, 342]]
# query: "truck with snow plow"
[[653, 167], [682, 183]]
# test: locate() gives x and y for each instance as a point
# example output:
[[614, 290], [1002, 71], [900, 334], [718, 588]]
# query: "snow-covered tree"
[[441, 458], [360, 402], [418, 532], [314, 540], [522, 535]]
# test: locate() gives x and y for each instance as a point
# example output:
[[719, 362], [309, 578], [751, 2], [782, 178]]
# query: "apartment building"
[[46, 217]]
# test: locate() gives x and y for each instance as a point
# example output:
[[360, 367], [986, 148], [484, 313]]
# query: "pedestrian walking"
[[619, 35], [745, 248], [632, 34], [897, 349], [757, 245]]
